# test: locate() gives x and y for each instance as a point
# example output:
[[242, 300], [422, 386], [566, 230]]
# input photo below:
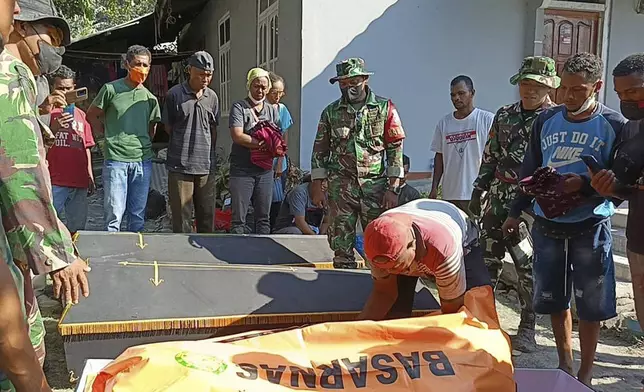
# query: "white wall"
[[626, 37], [415, 47]]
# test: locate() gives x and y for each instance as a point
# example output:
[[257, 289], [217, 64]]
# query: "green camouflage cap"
[[350, 68], [540, 69]]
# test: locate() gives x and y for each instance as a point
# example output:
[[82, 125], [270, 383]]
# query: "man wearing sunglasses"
[[421, 239]]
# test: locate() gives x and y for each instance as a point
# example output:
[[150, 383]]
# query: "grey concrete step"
[[619, 241], [621, 215]]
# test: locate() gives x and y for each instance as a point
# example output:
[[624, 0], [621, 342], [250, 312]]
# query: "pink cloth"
[[274, 145]]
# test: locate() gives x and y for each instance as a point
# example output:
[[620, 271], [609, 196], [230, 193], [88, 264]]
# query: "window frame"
[[268, 50], [224, 54]]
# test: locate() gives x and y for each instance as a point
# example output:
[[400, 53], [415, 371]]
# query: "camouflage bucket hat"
[[540, 69], [350, 68]]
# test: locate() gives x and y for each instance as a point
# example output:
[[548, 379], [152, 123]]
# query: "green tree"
[[86, 17]]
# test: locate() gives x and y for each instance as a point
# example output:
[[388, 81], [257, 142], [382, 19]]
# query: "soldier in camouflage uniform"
[[498, 175], [354, 136], [38, 240], [19, 361]]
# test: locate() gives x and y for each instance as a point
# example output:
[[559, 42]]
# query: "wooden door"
[[567, 33]]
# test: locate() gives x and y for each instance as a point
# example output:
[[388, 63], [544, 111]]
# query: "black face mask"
[[354, 94], [632, 110], [50, 58]]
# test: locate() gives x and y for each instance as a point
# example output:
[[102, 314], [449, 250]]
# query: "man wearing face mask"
[[19, 366], [626, 179], [499, 175], [354, 135], [39, 241], [128, 113], [572, 232], [43, 56]]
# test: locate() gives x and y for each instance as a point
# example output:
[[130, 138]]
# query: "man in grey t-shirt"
[[298, 215], [190, 116]]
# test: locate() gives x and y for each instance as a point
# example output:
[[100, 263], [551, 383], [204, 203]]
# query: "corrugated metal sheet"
[[159, 178]]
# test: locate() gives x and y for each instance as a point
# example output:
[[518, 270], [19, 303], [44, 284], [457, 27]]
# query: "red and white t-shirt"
[[67, 158], [445, 230], [462, 143]]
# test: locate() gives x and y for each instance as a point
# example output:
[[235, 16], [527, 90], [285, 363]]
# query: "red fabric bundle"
[[547, 186], [274, 145]]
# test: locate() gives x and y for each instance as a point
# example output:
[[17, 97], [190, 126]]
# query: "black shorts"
[[476, 275]]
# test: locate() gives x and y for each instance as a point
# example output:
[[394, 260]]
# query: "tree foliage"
[[86, 17]]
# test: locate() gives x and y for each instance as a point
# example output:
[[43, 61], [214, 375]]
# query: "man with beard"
[[354, 135], [499, 176], [572, 232], [628, 168], [38, 240]]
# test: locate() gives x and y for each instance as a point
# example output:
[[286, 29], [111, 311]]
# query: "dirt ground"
[[619, 365]]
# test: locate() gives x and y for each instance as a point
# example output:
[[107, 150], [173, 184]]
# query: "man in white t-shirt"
[[459, 141]]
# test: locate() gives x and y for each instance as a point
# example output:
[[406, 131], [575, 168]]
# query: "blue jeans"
[[71, 206], [584, 263], [126, 186]]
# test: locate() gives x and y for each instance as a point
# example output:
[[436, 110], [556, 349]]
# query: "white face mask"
[[253, 100], [587, 105]]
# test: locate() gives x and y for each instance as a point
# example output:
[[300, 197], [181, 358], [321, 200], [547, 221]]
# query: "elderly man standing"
[[191, 116], [499, 175], [39, 241], [354, 135]]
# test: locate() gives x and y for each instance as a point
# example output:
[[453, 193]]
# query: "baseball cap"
[[202, 60], [387, 236]]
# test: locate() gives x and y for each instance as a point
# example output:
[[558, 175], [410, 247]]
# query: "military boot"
[[344, 263], [524, 341]]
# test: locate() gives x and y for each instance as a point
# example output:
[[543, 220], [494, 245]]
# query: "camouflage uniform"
[[499, 176], [349, 150], [38, 240]]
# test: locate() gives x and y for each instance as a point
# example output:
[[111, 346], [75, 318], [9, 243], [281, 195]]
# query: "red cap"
[[387, 236]]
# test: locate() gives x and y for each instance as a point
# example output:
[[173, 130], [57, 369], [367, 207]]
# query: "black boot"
[[344, 263], [524, 340]]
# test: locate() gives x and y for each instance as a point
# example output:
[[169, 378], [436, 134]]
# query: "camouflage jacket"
[[506, 145], [353, 143], [36, 236]]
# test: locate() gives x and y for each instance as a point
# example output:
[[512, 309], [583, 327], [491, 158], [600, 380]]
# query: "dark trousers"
[[186, 190], [476, 275], [260, 189]]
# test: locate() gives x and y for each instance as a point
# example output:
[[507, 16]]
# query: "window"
[[224, 64], [267, 33]]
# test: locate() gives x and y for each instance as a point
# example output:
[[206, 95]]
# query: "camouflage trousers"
[[22, 279], [496, 211], [348, 202]]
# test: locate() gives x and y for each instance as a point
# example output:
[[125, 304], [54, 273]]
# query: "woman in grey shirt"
[[248, 181]]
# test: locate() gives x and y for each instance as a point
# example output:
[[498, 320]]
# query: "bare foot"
[[587, 380], [567, 369]]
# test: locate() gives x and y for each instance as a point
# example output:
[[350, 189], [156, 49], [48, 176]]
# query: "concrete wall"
[[626, 32], [415, 47], [243, 46]]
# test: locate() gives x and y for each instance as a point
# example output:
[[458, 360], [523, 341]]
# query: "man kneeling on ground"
[[421, 239], [298, 215]]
